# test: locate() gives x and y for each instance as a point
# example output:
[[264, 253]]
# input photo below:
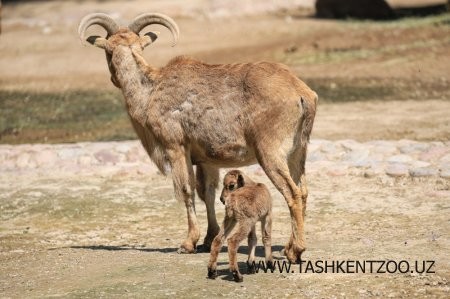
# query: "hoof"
[[251, 268], [237, 276], [212, 274], [186, 249], [270, 265], [293, 254]]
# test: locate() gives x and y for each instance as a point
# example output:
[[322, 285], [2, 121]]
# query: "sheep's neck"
[[135, 82]]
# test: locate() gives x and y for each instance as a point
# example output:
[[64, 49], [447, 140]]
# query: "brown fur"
[[192, 113], [246, 202]]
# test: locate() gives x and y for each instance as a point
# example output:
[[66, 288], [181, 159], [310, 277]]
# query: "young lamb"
[[246, 203]]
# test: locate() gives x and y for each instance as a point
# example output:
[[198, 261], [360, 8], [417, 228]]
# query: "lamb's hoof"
[[270, 265], [212, 274], [237, 276], [186, 249], [251, 268]]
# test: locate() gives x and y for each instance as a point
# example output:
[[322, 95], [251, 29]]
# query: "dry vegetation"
[[54, 89]]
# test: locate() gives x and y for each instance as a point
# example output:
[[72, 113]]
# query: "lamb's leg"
[[276, 168], [207, 181], [242, 231], [184, 184], [252, 240], [266, 232], [227, 226]]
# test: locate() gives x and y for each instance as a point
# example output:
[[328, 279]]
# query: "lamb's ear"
[[149, 38], [240, 181], [97, 41]]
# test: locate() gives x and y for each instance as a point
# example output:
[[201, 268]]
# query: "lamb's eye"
[[231, 186]]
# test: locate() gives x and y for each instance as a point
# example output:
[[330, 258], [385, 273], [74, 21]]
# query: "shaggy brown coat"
[[192, 113]]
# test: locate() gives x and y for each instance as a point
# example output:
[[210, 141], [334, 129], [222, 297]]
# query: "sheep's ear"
[[240, 181], [149, 38], [97, 41]]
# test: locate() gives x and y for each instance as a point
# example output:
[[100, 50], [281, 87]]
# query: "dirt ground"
[[109, 237], [116, 237]]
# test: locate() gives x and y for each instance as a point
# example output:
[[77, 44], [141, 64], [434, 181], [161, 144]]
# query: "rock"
[[350, 144], [358, 158], [106, 157], [445, 158], [46, 158], [318, 166], [22, 160], [315, 156], [85, 160], [397, 170], [69, 152], [400, 159], [133, 155], [422, 172], [414, 148], [419, 164], [328, 148], [314, 146], [376, 157], [434, 153], [383, 147], [124, 147], [337, 170]]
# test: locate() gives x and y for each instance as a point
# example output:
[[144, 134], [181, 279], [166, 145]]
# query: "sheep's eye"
[[231, 187]]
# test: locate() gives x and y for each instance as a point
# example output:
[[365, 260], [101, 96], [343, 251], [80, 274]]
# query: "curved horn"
[[101, 19], [146, 19]]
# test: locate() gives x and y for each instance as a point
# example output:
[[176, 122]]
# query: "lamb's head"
[[233, 180], [125, 36]]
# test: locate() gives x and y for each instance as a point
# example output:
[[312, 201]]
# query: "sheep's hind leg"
[[184, 184], [296, 163], [252, 240], [243, 230], [227, 225], [207, 181], [276, 168]]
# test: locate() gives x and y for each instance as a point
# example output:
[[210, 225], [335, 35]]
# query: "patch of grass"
[[339, 90], [75, 116], [62, 117], [348, 54]]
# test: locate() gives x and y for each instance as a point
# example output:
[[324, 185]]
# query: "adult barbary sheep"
[[246, 203], [191, 113]]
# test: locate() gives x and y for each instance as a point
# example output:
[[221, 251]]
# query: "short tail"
[[309, 113]]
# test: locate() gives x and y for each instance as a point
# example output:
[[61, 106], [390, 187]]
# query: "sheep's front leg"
[[207, 181], [184, 185]]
